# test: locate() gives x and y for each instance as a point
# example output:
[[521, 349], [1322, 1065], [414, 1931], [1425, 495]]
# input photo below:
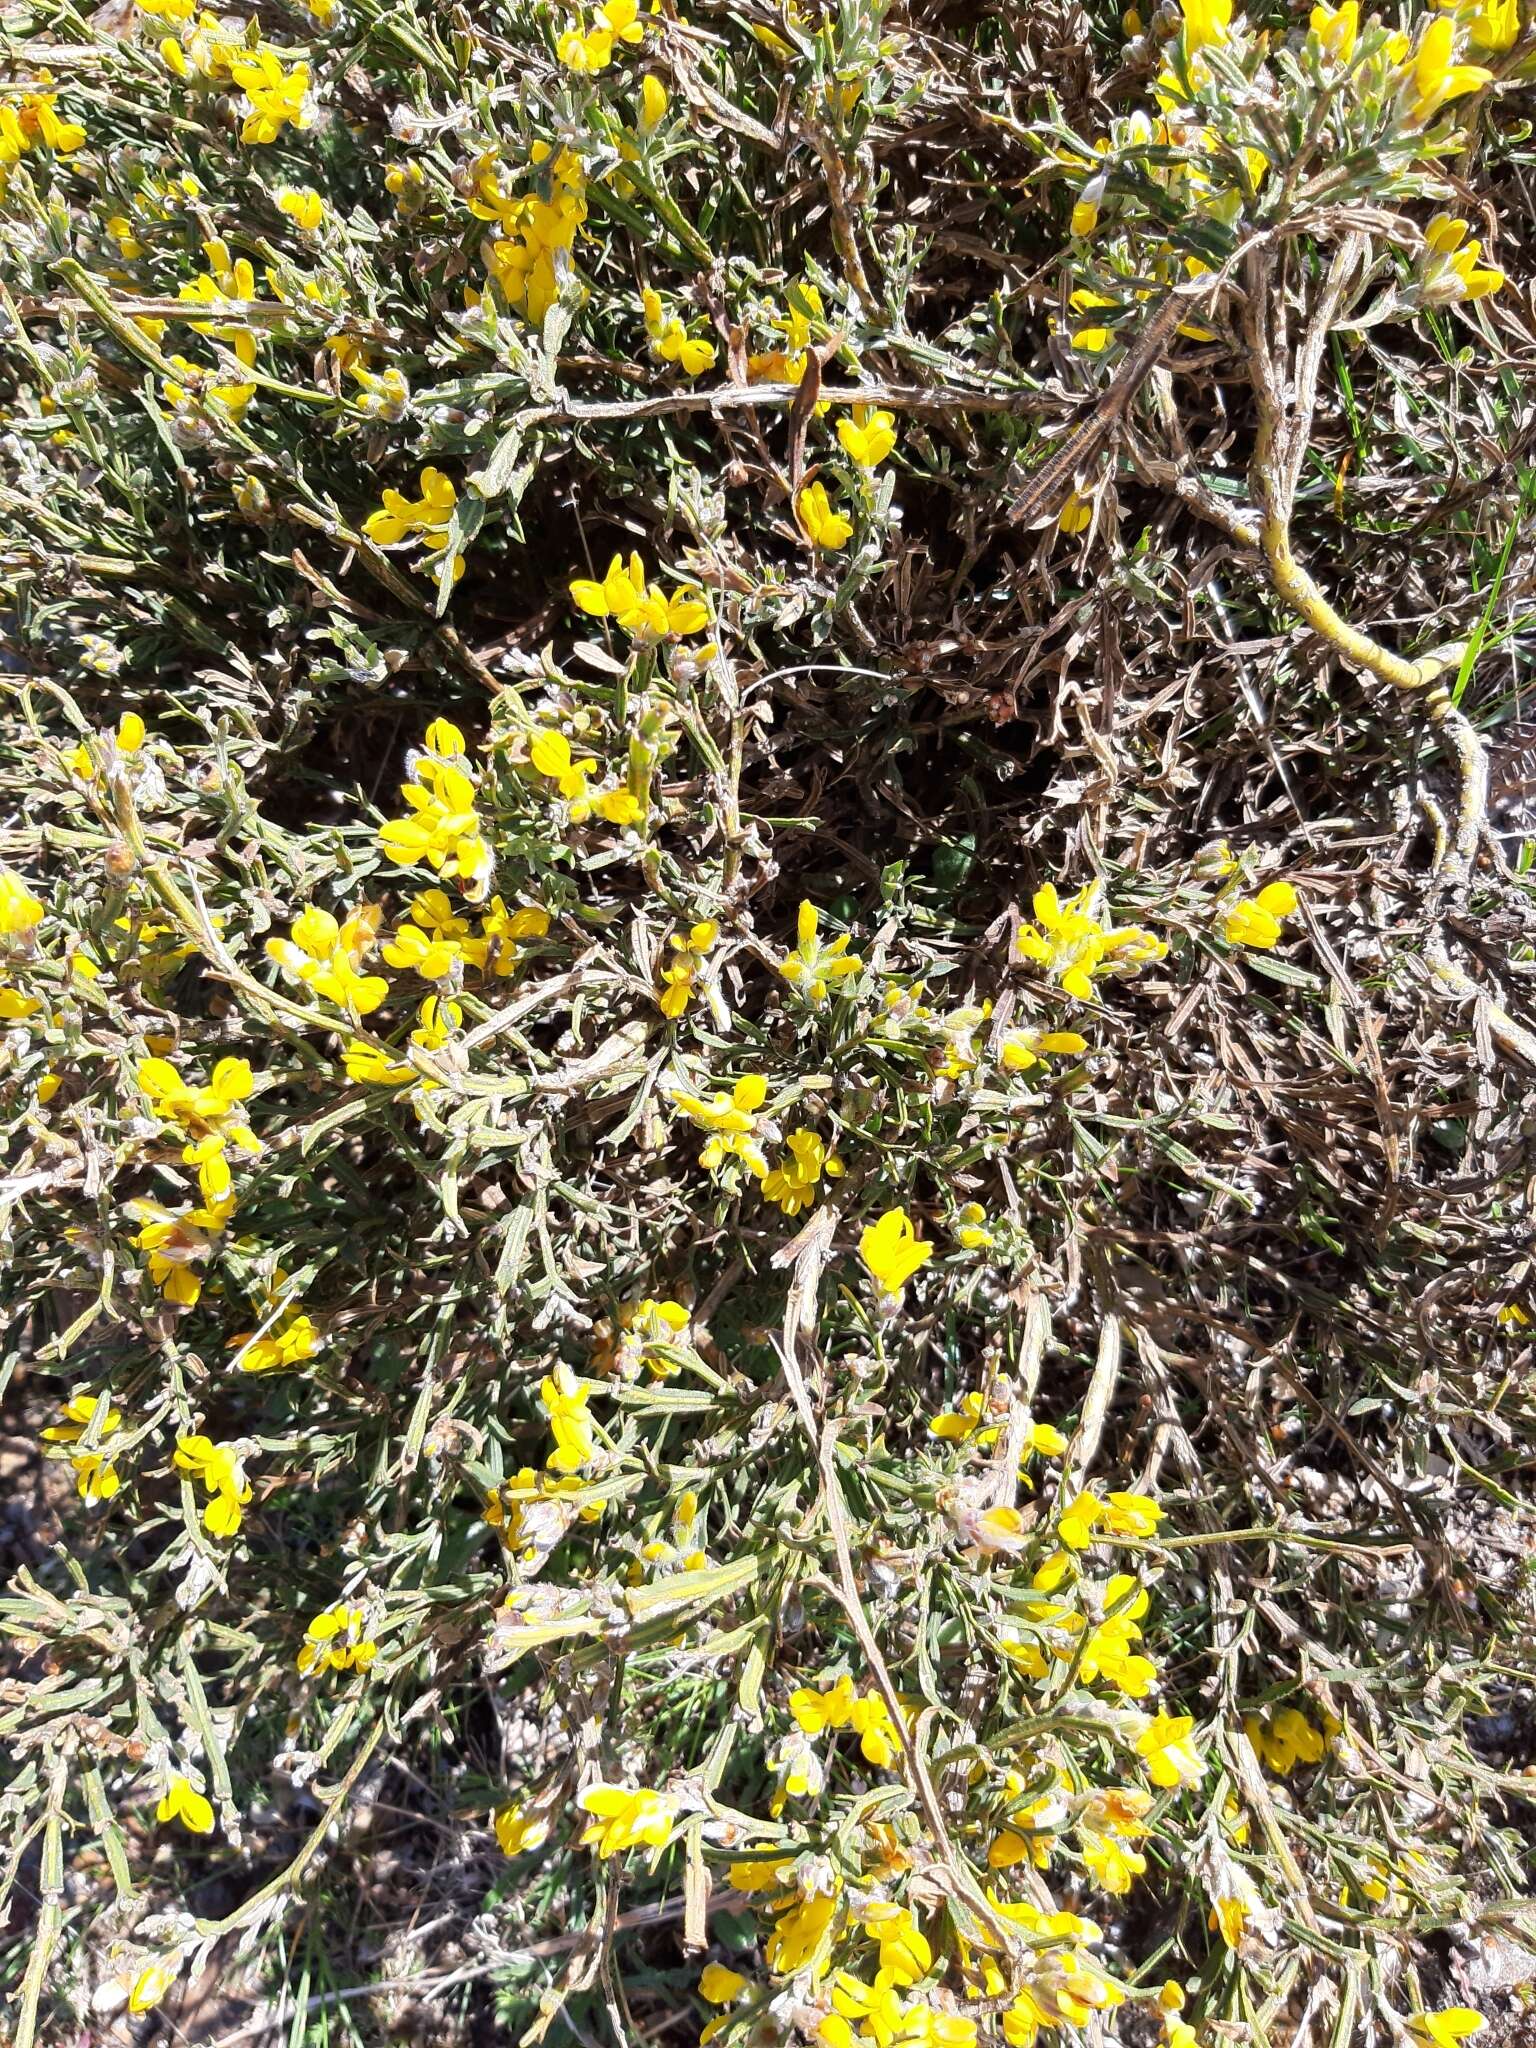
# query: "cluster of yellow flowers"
[[670, 338], [89, 1419], [1380, 87], [326, 954], [211, 1114], [425, 518], [276, 94], [530, 258], [950, 1666], [588, 47], [221, 1469], [439, 945], [646, 612], [680, 973], [33, 121], [890, 1986], [1284, 1739], [1072, 945], [440, 828]]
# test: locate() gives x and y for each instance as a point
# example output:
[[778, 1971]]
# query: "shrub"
[[767, 1148]]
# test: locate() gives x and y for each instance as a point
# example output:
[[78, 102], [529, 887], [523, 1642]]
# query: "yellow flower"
[[303, 206], [196, 390], [680, 973], [211, 1115], [1085, 208], [1206, 21], [905, 1954], [337, 1640], [1431, 74], [153, 1982], [812, 967], [1450, 272], [958, 1424], [1106, 1649], [441, 829], [326, 956], [619, 807], [287, 1344], [430, 944], [1170, 1757], [1447, 2028], [719, 1985], [1076, 515], [1093, 337], [1115, 1864], [550, 754], [792, 1183], [177, 1243], [565, 1402], [992, 1532], [1336, 29], [95, 1476], [495, 948], [892, 1251], [587, 50], [822, 527], [871, 1722], [867, 438], [624, 1819], [1129, 1514], [756, 1877], [126, 742], [1021, 1050], [77, 1412], [1230, 1916], [438, 1018], [33, 120], [648, 1331], [801, 1933], [815, 1712], [1285, 1740], [20, 911], [182, 1801], [1078, 1521], [517, 1831], [372, 1066], [971, 1231], [275, 98], [653, 104], [670, 338], [536, 230], [1257, 921], [1490, 24]]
